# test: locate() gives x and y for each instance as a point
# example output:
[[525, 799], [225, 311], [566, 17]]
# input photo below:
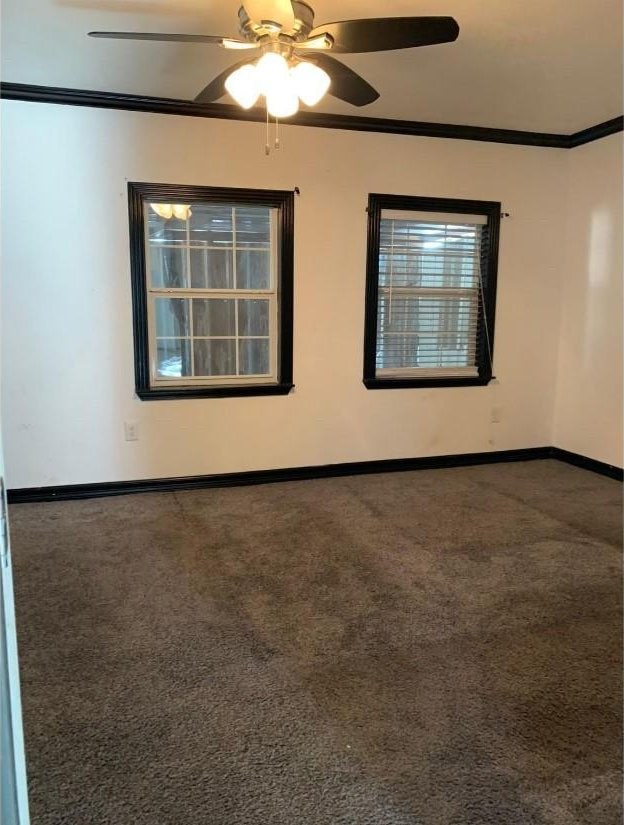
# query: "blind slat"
[[424, 372]]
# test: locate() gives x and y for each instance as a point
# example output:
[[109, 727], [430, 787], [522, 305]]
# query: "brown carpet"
[[432, 648]]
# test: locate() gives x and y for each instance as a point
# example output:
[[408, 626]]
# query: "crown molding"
[[600, 130], [225, 111]]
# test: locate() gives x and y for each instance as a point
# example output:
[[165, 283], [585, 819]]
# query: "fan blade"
[[277, 11], [230, 43], [181, 38], [385, 33], [216, 88], [345, 83], [321, 42]]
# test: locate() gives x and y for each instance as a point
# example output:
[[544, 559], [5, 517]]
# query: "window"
[[212, 273], [431, 291]]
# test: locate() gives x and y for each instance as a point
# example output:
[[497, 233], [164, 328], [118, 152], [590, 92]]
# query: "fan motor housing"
[[258, 30]]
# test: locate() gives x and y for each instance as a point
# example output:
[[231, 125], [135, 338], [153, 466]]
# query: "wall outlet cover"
[[131, 430]]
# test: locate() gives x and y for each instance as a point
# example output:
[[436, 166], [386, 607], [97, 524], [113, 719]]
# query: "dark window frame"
[[283, 201], [489, 256]]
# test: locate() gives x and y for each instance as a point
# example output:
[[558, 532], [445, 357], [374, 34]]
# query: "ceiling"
[[538, 65]]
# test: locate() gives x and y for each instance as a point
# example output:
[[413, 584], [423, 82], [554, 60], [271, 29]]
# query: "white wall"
[[68, 366], [588, 407]]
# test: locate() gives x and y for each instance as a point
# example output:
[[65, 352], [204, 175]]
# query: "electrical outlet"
[[496, 416], [131, 430]]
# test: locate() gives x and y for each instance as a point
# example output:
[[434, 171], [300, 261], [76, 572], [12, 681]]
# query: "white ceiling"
[[540, 65]]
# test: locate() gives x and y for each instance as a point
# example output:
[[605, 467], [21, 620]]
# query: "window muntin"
[[212, 294], [430, 296]]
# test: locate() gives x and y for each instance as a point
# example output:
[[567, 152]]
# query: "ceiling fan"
[[295, 61]]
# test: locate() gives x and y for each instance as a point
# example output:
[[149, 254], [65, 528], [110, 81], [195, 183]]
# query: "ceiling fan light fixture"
[[311, 82], [272, 72], [243, 86], [282, 100]]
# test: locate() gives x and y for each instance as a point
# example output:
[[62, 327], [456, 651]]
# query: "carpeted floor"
[[431, 648]]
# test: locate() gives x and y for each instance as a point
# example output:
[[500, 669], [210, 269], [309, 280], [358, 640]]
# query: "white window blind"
[[429, 294]]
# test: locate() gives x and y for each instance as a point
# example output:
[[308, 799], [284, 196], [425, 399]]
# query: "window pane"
[[253, 317], [168, 266], [199, 266], [253, 226], [214, 316], [172, 317], [253, 355], [443, 315], [173, 358], [155, 224], [429, 254], [253, 270], [212, 269], [398, 314], [211, 225], [436, 352], [216, 357], [156, 265], [396, 351], [164, 230], [411, 351], [427, 331]]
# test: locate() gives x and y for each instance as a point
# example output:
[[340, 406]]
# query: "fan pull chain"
[[277, 138], [267, 148]]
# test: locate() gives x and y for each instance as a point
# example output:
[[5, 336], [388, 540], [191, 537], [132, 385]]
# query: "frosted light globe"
[[311, 82], [282, 100], [271, 70], [243, 86]]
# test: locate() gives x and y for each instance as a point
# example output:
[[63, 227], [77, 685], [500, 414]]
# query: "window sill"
[[416, 383], [222, 391]]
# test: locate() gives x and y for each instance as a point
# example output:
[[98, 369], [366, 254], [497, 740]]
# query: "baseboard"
[[69, 492], [609, 470]]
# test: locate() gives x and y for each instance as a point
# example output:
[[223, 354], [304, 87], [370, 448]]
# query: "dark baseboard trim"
[[70, 492], [171, 106], [609, 470]]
